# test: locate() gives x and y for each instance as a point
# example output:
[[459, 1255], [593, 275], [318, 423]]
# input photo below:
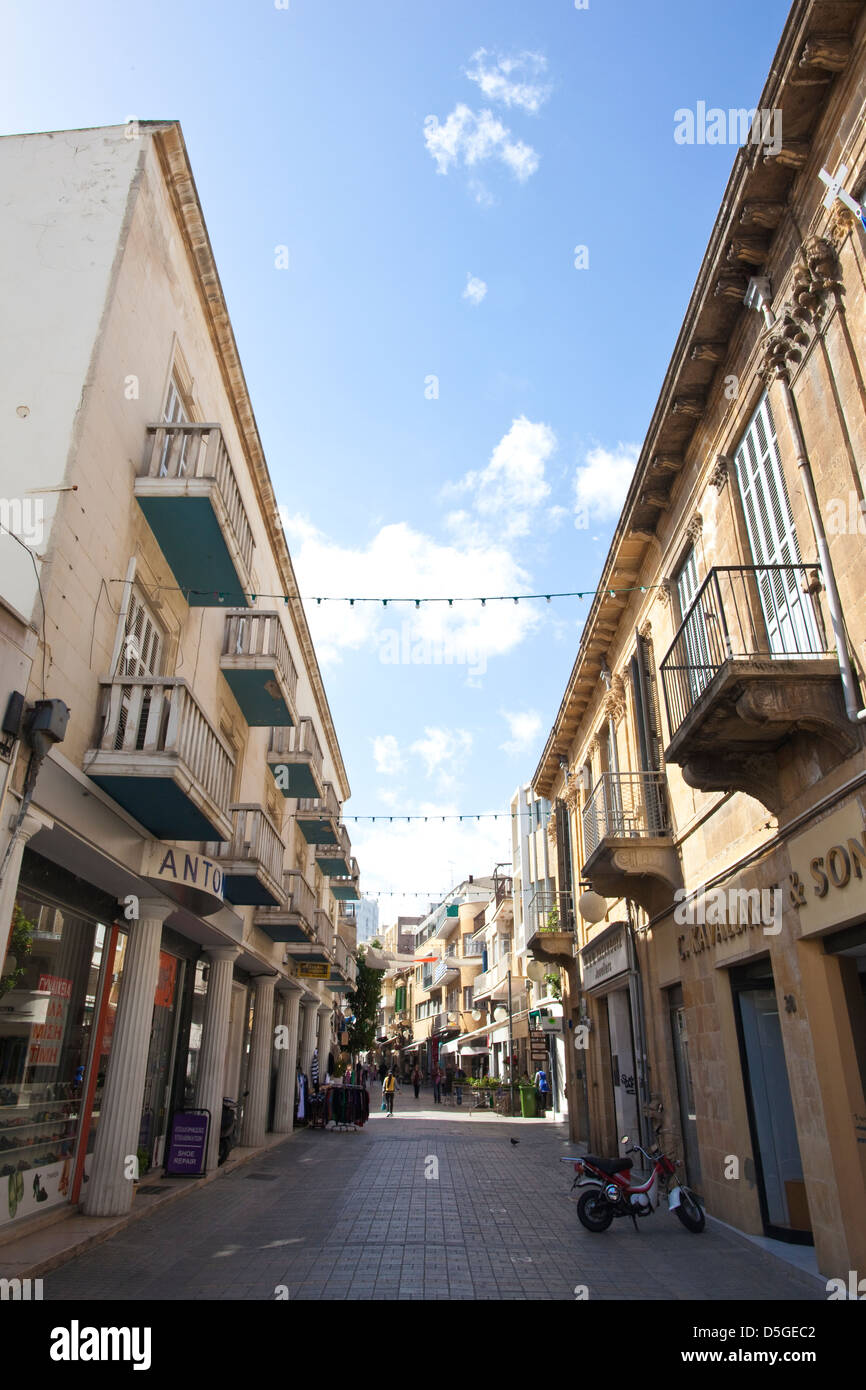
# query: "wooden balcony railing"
[[325, 806], [254, 837], [297, 740]]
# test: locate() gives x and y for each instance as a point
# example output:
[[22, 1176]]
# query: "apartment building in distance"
[[707, 766], [176, 881]]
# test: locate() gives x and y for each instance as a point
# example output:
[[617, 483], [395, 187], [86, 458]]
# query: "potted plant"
[[20, 942]]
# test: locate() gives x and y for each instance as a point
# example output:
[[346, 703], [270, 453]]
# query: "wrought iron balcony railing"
[[623, 805], [764, 612]]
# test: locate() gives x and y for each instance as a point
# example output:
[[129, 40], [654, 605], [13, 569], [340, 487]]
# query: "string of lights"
[[224, 595], [467, 816]]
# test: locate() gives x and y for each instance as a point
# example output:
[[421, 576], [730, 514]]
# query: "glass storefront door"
[[781, 1186]]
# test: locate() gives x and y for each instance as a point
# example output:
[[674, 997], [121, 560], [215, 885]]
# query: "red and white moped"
[[610, 1192]]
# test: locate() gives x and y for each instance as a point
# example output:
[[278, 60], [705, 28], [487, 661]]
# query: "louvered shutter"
[[697, 634], [141, 655], [788, 615]]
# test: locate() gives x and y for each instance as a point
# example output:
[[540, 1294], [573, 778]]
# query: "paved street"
[[352, 1216]]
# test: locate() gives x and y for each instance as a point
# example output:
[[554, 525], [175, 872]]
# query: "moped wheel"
[[593, 1211], [690, 1212]]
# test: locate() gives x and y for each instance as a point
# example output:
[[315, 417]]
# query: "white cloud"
[[512, 488], [427, 857], [465, 636], [475, 289], [601, 483], [524, 728], [511, 80], [471, 137], [440, 748], [387, 756]]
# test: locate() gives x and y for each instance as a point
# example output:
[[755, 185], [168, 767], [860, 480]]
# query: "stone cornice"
[[170, 146]]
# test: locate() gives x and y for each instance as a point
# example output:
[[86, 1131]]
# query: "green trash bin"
[[528, 1103]]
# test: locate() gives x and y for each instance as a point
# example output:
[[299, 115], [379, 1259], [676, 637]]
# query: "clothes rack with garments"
[[346, 1107]]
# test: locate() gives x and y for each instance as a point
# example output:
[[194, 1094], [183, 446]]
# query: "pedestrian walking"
[[437, 1086], [459, 1078], [389, 1086], [542, 1085], [416, 1080]]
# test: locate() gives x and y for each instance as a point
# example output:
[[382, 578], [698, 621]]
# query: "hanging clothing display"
[[314, 1070], [301, 1097], [346, 1107]]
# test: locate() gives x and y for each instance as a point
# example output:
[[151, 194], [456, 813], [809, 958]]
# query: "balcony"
[[493, 983], [160, 758], [319, 818], [189, 495], [750, 669], [334, 859], [258, 666], [627, 840], [345, 889], [443, 973], [252, 859], [295, 759], [550, 928], [347, 928], [448, 1022], [344, 971], [293, 918]]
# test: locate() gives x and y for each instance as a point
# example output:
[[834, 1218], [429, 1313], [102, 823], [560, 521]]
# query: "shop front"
[[609, 981], [58, 1000]]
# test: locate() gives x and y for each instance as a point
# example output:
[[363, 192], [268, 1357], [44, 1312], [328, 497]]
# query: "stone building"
[[175, 873], [707, 763]]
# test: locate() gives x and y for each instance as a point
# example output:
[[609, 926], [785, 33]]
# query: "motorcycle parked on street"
[[228, 1127], [611, 1193]]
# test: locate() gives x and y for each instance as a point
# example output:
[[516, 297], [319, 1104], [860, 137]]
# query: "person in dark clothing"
[[416, 1080]]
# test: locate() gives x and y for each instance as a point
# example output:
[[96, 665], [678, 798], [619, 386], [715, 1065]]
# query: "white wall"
[[62, 203]]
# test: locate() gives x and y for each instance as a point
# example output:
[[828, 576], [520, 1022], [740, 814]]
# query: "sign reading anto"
[[193, 880]]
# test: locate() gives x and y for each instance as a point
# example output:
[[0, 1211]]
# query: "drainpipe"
[[757, 297]]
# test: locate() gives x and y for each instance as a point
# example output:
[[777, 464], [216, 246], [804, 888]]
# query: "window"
[[143, 640], [177, 412], [788, 613], [467, 996]]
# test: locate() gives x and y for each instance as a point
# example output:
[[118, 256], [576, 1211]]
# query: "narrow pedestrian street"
[[363, 1215]]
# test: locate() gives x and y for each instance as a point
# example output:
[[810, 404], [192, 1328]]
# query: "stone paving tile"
[[359, 1221]]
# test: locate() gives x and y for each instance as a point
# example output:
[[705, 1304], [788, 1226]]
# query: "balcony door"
[[788, 614], [701, 662], [652, 804], [141, 654]]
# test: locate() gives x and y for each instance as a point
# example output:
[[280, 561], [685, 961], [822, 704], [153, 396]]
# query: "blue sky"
[[424, 248]]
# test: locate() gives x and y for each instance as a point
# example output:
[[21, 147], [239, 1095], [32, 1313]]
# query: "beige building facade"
[[706, 767], [178, 883]]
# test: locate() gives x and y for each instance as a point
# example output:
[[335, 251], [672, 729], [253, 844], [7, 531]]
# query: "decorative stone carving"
[[663, 592], [654, 497], [708, 352], [721, 472], [551, 831], [781, 347], [756, 774], [792, 155], [829, 51], [841, 225], [748, 250], [762, 214], [692, 406], [695, 528], [614, 700], [646, 631], [822, 264], [666, 463], [731, 285], [571, 795]]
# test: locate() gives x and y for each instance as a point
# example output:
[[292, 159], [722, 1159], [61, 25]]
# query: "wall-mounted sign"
[[605, 958], [827, 883], [193, 880], [314, 970]]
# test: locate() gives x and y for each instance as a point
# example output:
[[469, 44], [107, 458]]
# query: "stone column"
[[210, 1080], [324, 1040], [32, 822], [310, 1008], [287, 1065], [261, 1051], [109, 1192]]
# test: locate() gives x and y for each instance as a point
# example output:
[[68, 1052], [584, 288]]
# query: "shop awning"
[[464, 1048]]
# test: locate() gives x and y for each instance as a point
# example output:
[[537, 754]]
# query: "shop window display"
[[48, 997]]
